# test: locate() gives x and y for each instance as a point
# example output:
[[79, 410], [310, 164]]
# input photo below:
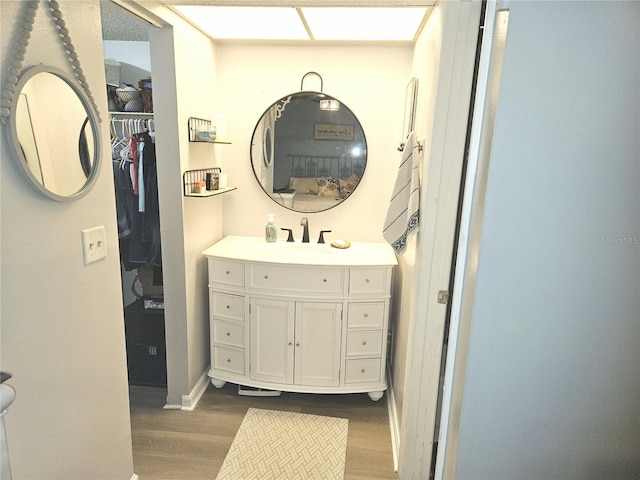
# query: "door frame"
[[439, 204], [472, 213]]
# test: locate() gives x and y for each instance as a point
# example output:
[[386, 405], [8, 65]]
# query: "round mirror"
[[54, 133], [308, 152]]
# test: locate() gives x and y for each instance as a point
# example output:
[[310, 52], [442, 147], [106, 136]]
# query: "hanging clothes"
[[145, 230], [136, 184]]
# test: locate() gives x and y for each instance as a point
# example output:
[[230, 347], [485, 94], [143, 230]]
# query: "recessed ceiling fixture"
[[371, 24], [245, 23]]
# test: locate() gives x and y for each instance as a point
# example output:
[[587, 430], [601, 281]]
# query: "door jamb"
[[439, 205]]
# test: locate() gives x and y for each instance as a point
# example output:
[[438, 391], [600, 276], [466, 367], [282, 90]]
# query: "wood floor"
[[172, 444]]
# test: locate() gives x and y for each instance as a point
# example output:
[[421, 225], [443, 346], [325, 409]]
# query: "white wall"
[[184, 69], [62, 322], [426, 57], [370, 80], [137, 54], [552, 383]]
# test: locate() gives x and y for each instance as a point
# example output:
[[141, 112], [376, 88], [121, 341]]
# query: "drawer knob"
[[363, 370], [228, 307], [290, 343], [368, 281], [298, 344], [324, 280], [364, 342], [266, 277], [228, 334], [366, 315], [228, 360], [227, 272]]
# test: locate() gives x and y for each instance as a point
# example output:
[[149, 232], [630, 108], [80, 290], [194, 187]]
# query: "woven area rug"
[[286, 445]]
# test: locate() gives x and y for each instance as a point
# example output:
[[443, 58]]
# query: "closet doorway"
[[129, 87]]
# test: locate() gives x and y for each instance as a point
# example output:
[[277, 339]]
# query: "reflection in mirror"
[[27, 138], [267, 144], [54, 133], [308, 152]]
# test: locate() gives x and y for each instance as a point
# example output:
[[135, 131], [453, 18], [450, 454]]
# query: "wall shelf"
[[199, 129], [190, 178], [133, 114], [211, 193]]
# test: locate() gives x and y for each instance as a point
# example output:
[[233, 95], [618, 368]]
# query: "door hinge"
[[443, 297]]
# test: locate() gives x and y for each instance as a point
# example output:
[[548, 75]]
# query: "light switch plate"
[[94, 244]]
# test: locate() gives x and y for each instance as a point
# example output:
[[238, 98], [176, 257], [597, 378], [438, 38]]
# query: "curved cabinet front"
[[299, 328]]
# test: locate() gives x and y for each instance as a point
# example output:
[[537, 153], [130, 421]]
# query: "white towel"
[[403, 213]]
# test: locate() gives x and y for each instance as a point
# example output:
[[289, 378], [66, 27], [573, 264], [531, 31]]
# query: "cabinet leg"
[[375, 396], [218, 383]]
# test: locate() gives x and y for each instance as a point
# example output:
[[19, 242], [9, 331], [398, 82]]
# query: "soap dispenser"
[[270, 230]]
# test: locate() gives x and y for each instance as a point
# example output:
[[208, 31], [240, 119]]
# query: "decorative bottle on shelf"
[[270, 230]]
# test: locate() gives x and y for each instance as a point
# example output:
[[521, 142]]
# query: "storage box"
[[151, 281], [146, 345]]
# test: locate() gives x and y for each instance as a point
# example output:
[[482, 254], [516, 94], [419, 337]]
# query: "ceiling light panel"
[[370, 24], [245, 23]]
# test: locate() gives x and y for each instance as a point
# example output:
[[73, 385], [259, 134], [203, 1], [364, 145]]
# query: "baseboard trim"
[[394, 426], [190, 401]]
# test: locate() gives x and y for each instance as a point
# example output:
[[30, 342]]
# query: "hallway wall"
[[552, 382], [62, 322]]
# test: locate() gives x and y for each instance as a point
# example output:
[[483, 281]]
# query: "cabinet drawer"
[[368, 281], [227, 333], [297, 279], [365, 370], [226, 272], [366, 315], [230, 307], [228, 359], [364, 343]]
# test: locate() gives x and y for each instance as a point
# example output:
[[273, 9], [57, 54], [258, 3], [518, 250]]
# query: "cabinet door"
[[317, 343], [272, 339]]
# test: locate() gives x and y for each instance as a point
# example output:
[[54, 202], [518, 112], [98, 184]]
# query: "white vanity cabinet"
[[299, 317], [295, 343]]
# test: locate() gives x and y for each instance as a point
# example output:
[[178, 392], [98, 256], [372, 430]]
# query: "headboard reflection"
[[325, 166]]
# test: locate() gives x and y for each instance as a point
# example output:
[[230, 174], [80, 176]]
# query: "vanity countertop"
[[256, 249]]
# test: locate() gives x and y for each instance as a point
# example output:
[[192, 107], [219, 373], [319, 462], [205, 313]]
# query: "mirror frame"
[[268, 160], [14, 143]]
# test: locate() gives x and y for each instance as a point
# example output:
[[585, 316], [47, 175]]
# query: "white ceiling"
[[310, 20]]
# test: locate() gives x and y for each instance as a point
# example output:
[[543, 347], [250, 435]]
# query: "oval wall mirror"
[[55, 136], [308, 152]]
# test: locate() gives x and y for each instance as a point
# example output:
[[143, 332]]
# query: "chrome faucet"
[[305, 231]]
